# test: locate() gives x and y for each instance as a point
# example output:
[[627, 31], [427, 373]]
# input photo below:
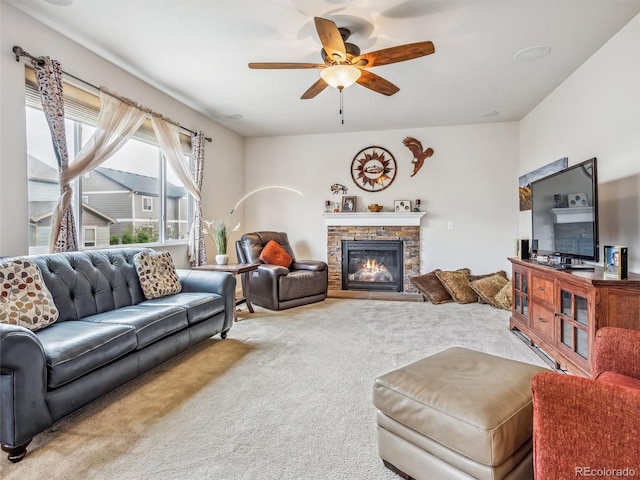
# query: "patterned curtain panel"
[[49, 76], [197, 250]]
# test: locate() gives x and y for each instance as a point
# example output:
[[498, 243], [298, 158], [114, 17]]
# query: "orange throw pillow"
[[274, 254]]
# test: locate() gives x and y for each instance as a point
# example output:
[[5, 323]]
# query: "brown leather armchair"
[[589, 426], [276, 287]]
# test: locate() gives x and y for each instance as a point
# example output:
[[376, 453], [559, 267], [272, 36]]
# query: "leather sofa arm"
[[617, 350], [581, 424], [222, 283], [312, 265], [23, 385]]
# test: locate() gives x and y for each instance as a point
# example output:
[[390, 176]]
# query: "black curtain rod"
[[19, 52]]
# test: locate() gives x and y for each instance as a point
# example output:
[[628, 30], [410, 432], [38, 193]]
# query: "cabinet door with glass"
[[521, 293], [573, 325]]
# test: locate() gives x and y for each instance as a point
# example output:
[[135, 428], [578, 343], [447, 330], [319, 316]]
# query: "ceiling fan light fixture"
[[340, 76]]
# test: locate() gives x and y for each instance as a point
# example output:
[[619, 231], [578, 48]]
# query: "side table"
[[236, 269]]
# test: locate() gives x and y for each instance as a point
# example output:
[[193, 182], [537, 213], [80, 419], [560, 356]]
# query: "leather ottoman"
[[457, 414]]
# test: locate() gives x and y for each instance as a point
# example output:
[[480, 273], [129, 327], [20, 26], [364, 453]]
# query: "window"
[[133, 197], [147, 204], [89, 235]]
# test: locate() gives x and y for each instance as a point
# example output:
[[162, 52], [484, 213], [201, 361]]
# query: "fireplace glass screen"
[[372, 265]]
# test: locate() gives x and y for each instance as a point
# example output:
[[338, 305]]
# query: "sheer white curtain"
[[169, 138], [117, 122]]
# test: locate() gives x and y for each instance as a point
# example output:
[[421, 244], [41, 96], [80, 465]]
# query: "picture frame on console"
[[348, 203], [615, 262]]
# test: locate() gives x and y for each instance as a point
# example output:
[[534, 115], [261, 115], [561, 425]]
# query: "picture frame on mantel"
[[401, 206], [348, 203]]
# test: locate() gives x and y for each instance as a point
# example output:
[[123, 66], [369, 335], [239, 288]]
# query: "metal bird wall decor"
[[419, 155]]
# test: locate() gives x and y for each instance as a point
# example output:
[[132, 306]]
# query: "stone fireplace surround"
[[373, 226]]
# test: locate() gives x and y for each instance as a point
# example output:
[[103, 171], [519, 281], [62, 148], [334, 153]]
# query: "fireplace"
[[372, 265]]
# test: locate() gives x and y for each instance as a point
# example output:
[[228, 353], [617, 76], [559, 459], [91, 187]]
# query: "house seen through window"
[[131, 198]]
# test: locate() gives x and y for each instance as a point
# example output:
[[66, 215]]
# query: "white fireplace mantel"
[[373, 219]]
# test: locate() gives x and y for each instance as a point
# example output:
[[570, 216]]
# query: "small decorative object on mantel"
[[374, 207], [337, 188], [373, 169], [419, 155], [327, 206], [615, 258], [402, 206], [417, 204]]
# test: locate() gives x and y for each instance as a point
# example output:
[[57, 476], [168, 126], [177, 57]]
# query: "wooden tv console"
[[561, 310]]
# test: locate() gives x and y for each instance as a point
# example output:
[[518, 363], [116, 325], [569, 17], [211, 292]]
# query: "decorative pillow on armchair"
[[157, 274], [274, 254], [24, 297]]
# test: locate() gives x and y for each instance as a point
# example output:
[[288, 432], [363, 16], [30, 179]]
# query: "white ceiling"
[[198, 50]]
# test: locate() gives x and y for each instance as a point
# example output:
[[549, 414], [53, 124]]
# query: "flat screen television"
[[564, 213]]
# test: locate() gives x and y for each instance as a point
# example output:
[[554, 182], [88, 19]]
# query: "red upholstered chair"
[[590, 426]]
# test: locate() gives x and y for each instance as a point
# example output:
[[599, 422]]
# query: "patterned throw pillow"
[[503, 297], [488, 287], [157, 274], [274, 254], [24, 297], [457, 284]]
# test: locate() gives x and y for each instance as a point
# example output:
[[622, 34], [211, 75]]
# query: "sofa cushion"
[[75, 348], [151, 322], [199, 305], [25, 300], [157, 274], [274, 254], [615, 378]]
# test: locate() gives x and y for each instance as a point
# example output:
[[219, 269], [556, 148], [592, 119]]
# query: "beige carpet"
[[286, 396]]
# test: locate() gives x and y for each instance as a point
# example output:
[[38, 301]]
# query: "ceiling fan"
[[344, 65]]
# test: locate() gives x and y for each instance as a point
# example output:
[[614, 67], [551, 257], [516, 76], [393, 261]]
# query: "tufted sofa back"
[[90, 282]]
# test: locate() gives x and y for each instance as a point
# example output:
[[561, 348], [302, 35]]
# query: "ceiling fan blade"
[[276, 65], [377, 83], [394, 54], [314, 89], [331, 39]]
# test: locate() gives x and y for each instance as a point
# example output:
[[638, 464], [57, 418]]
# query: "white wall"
[[596, 113], [224, 157], [470, 180]]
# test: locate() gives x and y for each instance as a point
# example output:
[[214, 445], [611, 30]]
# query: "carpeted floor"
[[286, 396]]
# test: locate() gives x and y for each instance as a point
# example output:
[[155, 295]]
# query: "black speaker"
[[522, 249]]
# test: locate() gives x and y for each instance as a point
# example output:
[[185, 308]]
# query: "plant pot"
[[222, 259]]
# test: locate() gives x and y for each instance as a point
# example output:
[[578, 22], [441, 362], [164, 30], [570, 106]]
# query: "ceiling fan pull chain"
[[341, 107]]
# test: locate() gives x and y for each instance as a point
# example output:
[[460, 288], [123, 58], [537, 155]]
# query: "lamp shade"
[[340, 76]]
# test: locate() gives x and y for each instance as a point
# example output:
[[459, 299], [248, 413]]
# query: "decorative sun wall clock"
[[373, 169]]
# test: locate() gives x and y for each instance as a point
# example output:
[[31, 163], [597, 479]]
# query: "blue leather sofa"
[[107, 333]]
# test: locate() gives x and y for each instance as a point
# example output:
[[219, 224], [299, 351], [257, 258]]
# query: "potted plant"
[[219, 232]]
